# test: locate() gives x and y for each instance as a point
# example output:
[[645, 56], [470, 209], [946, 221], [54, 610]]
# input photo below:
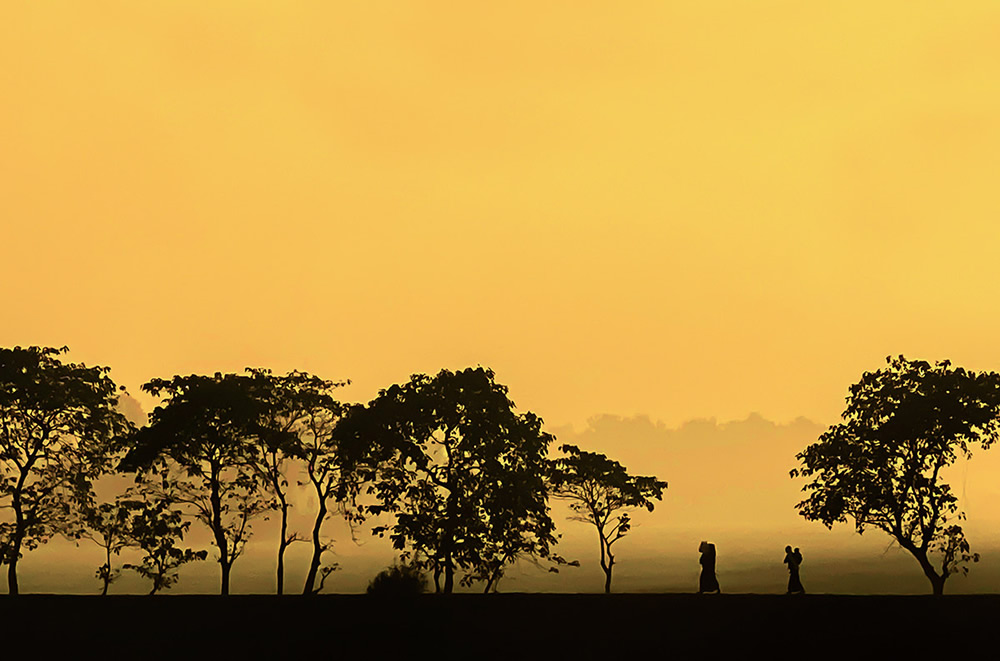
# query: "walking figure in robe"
[[793, 559], [708, 581]]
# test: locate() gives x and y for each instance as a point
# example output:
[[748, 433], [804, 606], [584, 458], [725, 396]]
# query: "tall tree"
[[335, 471], [462, 471], [882, 466], [276, 447], [601, 492], [201, 445], [300, 417], [58, 425]]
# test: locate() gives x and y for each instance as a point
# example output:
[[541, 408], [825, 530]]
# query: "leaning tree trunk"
[[317, 548], [937, 581], [607, 560]]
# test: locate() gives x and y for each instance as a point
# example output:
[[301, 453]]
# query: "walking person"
[[708, 581], [793, 559]]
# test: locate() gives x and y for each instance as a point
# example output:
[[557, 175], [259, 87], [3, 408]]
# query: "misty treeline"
[[443, 465]]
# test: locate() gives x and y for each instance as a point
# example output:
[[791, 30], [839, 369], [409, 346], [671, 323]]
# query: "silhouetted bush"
[[398, 580]]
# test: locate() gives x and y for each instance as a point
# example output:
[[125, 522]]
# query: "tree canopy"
[[882, 465], [462, 472], [58, 426], [300, 419], [201, 446]]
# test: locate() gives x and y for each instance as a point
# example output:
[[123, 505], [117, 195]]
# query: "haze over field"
[[728, 482], [678, 231]]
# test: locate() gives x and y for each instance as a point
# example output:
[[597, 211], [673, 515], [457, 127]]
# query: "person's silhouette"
[[793, 559], [708, 582]]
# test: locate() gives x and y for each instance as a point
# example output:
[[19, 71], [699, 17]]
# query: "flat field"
[[521, 626]]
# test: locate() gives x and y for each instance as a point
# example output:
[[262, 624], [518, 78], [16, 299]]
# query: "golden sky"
[[676, 209]]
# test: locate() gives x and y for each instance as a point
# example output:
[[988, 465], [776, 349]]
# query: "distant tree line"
[[443, 465]]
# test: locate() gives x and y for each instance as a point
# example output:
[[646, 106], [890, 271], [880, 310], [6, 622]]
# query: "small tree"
[[601, 492], [882, 465], [58, 424], [156, 529], [107, 525]]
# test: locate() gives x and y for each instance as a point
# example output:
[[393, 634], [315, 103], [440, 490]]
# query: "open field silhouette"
[[570, 626]]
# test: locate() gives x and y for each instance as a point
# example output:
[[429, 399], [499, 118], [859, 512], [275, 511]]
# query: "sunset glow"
[[675, 230]]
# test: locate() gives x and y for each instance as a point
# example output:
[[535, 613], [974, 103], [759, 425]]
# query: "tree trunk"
[[107, 571], [220, 535], [449, 575], [317, 547], [12, 572], [225, 578], [607, 560], [937, 582], [282, 545], [15, 547]]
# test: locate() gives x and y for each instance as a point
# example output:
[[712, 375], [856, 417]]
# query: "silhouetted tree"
[[881, 466], [299, 420], [600, 491], [334, 473], [200, 449], [463, 474], [58, 424], [107, 525], [276, 445], [156, 528]]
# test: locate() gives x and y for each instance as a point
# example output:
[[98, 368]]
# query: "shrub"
[[398, 580]]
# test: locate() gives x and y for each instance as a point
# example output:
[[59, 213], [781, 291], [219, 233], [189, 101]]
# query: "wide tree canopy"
[[882, 466], [462, 472], [59, 424]]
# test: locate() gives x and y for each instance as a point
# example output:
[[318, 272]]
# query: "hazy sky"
[[680, 210]]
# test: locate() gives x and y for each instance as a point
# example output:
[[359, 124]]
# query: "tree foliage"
[[108, 525], [298, 423], [58, 426], [882, 465], [601, 492], [276, 447], [462, 472], [200, 449], [156, 528]]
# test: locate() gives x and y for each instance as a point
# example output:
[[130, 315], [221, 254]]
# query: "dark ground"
[[516, 626]]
